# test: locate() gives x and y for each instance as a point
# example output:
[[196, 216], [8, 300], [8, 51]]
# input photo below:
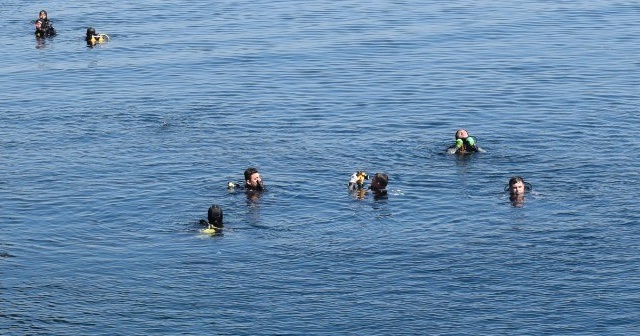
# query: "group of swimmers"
[[44, 29], [253, 185]]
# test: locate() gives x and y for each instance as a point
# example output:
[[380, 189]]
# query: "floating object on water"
[[99, 38], [209, 231], [357, 179]]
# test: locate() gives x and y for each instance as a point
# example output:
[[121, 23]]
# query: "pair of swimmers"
[[253, 187], [466, 143], [44, 28]]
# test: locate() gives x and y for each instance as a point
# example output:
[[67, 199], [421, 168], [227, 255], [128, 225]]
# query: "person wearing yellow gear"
[[94, 38], [214, 223]]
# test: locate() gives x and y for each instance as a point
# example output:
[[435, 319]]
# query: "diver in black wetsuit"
[[253, 186], [44, 27], [378, 185], [214, 216], [252, 180]]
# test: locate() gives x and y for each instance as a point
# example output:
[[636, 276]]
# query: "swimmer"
[[44, 27], [252, 185], [94, 38], [214, 216], [465, 143], [252, 180], [379, 185], [517, 187]]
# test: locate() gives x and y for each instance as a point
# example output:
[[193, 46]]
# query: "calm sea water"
[[110, 156]]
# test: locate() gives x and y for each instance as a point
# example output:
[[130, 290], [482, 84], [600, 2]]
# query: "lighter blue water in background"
[[110, 156]]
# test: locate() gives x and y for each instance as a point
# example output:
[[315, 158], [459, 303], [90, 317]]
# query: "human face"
[[254, 180], [517, 188], [462, 134], [43, 15]]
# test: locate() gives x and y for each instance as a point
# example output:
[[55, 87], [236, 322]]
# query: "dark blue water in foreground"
[[110, 156]]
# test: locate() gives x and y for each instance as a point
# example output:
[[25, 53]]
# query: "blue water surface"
[[111, 155]]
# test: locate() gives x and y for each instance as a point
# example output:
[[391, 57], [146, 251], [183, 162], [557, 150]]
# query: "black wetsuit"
[[46, 29], [378, 193]]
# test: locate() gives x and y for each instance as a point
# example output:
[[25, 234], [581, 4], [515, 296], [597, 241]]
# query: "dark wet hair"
[[215, 216], [515, 179], [382, 179], [250, 171], [91, 31], [45, 13]]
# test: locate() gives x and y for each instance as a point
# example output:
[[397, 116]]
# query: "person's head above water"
[[215, 216], [43, 15], [462, 134], [252, 180], [516, 186], [379, 181], [91, 32]]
